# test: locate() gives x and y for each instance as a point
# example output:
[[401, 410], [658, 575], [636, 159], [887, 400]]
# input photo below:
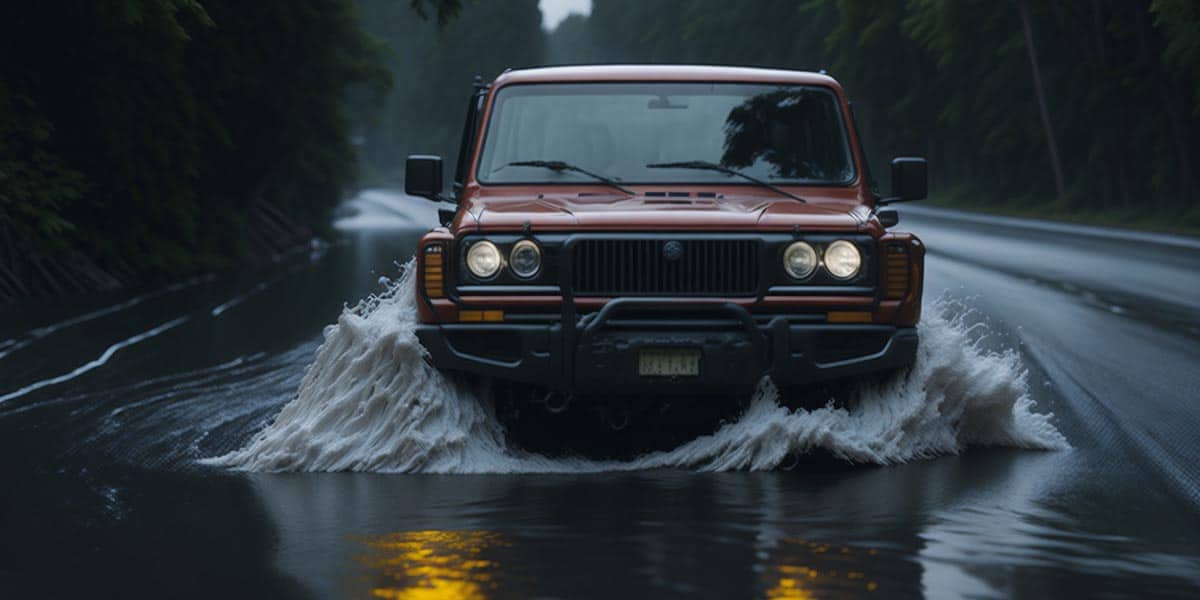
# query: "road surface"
[[107, 405]]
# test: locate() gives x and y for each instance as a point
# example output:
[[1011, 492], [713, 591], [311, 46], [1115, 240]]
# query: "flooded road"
[[109, 406]]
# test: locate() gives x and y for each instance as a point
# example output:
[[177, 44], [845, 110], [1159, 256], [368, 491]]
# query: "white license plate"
[[670, 362]]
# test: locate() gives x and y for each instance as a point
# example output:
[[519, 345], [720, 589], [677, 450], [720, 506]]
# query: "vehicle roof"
[[574, 73]]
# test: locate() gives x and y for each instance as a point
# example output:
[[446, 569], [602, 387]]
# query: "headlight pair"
[[841, 259], [484, 259]]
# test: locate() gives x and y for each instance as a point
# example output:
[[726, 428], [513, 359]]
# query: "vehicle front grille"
[[689, 267]]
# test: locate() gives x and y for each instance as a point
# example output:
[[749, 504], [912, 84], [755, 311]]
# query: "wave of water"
[[370, 402]]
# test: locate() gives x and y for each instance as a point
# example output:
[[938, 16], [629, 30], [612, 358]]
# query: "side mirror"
[[910, 180], [888, 217], [423, 176]]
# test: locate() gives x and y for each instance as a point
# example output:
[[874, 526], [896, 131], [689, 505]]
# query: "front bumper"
[[598, 353]]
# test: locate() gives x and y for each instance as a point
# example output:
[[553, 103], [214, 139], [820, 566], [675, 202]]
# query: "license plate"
[[669, 362]]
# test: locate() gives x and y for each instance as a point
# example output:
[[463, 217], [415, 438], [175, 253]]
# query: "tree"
[[1043, 109], [149, 139], [434, 68]]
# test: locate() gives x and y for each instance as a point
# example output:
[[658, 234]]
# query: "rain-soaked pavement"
[[108, 404]]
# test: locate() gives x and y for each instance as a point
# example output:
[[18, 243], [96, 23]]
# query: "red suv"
[[665, 230]]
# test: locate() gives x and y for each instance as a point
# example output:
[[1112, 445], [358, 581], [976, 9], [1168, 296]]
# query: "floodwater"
[[200, 440]]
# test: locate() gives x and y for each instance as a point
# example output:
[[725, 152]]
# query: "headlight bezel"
[[780, 282], [549, 245]]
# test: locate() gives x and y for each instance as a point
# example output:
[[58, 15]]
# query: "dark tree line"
[[149, 139], [433, 69], [143, 140], [1066, 107]]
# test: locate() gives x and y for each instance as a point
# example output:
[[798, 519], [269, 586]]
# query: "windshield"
[[781, 134]]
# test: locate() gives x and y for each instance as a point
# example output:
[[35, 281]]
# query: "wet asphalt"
[[109, 402]]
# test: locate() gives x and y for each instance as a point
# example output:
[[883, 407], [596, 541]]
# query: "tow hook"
[[617, 419], [557, 402]]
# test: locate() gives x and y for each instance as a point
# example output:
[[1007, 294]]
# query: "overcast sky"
[[554, 11]]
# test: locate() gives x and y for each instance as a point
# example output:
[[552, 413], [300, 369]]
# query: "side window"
[[470, 132]]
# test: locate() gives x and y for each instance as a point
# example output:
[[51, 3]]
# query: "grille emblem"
[[672, 251]]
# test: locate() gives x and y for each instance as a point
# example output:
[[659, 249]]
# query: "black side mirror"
[[888, 217], [910, 180], [423, 176]]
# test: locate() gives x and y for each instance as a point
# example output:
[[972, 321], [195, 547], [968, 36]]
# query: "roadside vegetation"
[[147, 140], [144, 141]]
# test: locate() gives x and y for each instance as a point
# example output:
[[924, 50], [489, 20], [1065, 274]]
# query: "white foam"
[[370, 402]]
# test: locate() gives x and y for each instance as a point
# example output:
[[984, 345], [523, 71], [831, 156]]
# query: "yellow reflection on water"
[[804, 570], [432, 565], [792, 583]]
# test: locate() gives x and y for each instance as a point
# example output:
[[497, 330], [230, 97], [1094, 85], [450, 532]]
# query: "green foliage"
[[1180, 22], [35, 186], [153, 135]]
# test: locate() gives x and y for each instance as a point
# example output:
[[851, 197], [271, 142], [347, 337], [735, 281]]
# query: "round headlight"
[[800, 260], [483, 259], [842, 259], [525, 260]]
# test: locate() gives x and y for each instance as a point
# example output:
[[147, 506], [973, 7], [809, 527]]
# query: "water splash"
[[370, 402]]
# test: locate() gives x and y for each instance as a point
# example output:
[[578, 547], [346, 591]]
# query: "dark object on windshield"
[[558, 165], [797, 131], [707, 166]]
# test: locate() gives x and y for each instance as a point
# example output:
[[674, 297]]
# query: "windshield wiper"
[[708, 166], [558, 165]]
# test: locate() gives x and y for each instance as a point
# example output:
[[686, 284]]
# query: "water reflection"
[[793, 131], [958, 527], [983, 524], [433, 564], [804, 569]]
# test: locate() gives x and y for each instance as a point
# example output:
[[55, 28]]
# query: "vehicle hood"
[[838, 210]]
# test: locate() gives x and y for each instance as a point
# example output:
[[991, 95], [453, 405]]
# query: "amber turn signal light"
[[433, 274], [481, 316], [895, 269]]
